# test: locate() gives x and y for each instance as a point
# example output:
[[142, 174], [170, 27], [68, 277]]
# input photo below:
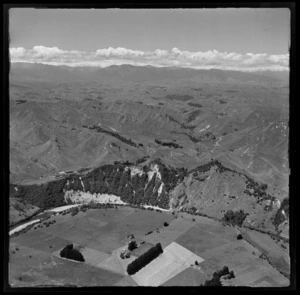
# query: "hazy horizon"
[[243, 39]]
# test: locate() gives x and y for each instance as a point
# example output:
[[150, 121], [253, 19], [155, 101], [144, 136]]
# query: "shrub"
[[239, 237], [166, 224]]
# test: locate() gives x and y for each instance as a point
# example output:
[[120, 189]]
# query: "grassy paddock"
[[102, 235]]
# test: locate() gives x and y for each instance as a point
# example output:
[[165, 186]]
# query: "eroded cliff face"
[[210, 189]]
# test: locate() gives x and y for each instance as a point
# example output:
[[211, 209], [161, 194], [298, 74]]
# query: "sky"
[[244, 39]]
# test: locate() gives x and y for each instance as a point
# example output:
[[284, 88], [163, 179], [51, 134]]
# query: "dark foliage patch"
[[215, 281], [71, 253], [169, 144], [234, 217], [114, 134], [44, 196], [132, 245], [144, 259]]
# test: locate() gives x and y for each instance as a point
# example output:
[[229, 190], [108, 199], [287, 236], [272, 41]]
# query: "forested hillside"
[[210, 189]]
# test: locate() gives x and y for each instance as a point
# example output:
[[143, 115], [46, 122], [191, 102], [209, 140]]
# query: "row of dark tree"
[[169, 144], [144, 259], [114, 134]]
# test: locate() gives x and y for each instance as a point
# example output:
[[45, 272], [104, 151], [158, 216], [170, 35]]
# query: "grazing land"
[[102, 234], [170, 153]]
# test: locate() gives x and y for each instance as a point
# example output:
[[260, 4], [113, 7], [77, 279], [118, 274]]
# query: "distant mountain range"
[[139, 74]]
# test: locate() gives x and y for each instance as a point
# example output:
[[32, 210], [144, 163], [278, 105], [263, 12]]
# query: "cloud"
[[159, 58]]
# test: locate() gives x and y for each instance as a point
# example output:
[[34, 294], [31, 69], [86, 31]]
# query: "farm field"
[[102, 234], [171, 262], [278, 256]]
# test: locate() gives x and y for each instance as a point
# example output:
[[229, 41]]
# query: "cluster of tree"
[[44, 196], [215, 281], [222, 169], [71, 253], [132, 245], [124, 255], [206, 167], [144, 259], [194, 139], [234, 218], [114, 134], [169, 144], [48, 223], [279, 216], [259, 190]]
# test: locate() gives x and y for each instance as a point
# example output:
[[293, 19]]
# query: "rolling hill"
[[66, 119]]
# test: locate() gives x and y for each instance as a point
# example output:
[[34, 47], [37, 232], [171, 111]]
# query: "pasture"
[[171, 262], [102, 234]]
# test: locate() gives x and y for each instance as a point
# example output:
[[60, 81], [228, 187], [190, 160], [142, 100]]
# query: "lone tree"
[[166, 224]]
